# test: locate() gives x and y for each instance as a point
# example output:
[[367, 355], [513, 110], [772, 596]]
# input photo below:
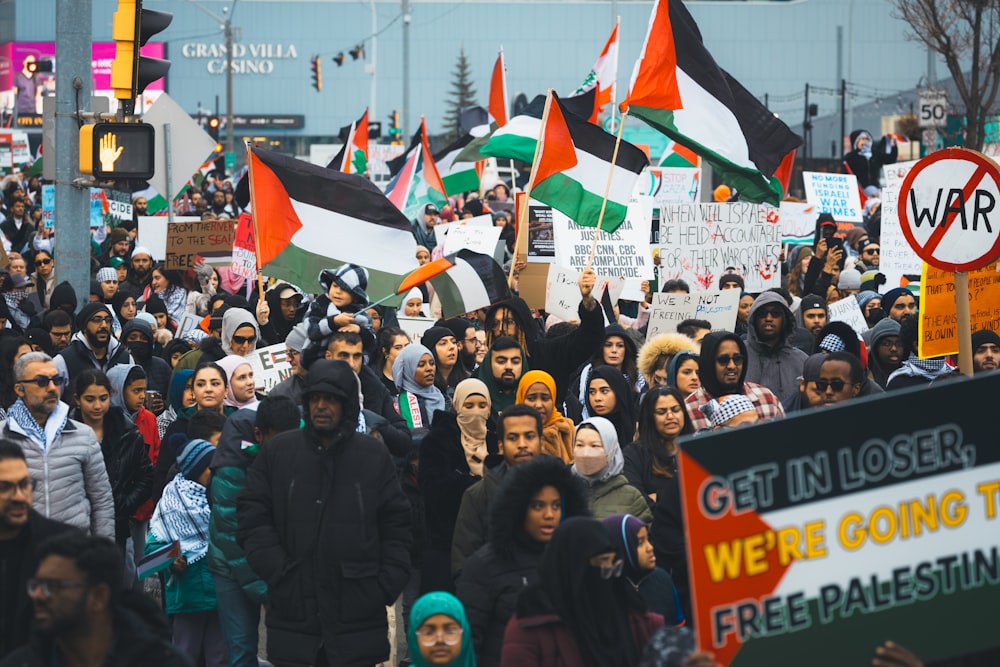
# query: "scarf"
[[557, 431], [230, 364], [609, 438], [404, 370], [432, 604], [13, 299], [42, 436], [472, 423], [182, 516]]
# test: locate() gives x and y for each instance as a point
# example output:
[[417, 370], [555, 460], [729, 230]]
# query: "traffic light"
[[357, 52], [339, 59], [394, 130], [317, 74], [116, 151], [213, 125], [130, 72]]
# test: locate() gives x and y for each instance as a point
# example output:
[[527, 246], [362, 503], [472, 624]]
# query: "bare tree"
[[966, 33]]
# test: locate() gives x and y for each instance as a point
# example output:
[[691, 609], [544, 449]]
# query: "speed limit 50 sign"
[[933, 108]]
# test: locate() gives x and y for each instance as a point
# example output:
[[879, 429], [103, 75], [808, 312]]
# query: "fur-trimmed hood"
[[670, 343], [520, 484]]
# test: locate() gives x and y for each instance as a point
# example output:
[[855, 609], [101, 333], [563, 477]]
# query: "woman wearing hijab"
[[451, 460], [179, 396], [682, 373], [239, 382], [419, 400], [450, 371], [599, 462], [631, 537], [651, 461], [581, 612], [240, 332], [618, 351], [532, 501], [608, 396], [439, 633], [538, 389]]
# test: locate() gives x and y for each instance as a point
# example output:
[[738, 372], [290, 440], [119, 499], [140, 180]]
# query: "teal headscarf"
[[440, 603]]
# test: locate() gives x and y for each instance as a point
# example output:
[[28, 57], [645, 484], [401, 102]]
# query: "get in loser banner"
[[844, 527]]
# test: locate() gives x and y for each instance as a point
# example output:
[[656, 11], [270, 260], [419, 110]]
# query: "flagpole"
[[607, 191], [522, 210], [253, 219]]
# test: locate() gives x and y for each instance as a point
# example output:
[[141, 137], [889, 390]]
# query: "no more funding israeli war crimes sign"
[[825, 535], [836, 194], [700, 241]]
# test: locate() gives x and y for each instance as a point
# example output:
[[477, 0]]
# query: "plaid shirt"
[[767, 404]]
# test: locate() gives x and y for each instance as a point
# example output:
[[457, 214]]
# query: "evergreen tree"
[[462, 95]]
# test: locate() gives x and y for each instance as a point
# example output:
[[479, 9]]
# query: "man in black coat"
[[22, 529], [325, 523]]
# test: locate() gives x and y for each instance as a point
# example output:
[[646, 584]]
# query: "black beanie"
[[984, 336], [89, 311], [811, 301]]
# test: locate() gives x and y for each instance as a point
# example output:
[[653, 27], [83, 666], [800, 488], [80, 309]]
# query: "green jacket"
[[617, 496], [186, 592]]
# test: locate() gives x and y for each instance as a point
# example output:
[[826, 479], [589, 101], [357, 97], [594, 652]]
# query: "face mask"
[[590, 461], [140, 349]]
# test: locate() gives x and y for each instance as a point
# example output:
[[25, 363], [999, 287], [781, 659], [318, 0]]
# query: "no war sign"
[[810, 532]]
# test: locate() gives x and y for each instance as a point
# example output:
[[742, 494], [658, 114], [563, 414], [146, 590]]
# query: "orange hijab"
[[557, 432]]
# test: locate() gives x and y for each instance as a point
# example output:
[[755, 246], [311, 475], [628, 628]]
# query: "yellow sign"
[[938, 319]]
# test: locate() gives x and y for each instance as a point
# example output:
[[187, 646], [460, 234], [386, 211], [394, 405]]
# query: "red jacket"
[[145, 421], [546, 641]]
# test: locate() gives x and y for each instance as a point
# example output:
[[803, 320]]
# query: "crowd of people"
[[509, 488]]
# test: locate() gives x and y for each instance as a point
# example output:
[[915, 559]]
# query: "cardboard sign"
[[852, 535], [699, 242], [836, 194], [415, 326], [798, 222], [898, 261], [270, 366], [938, 319], [211, 240], [562, 293], [669, 310], [622, 254], [153, 233], [848, 311]]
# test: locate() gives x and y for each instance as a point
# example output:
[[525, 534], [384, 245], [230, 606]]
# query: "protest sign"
[[827, 535], [848, 311], [670, 185], [119, 207], [541, 234], [270, 366], [96, 208], [669, 310], [441, 229], [698, 242], [621, 254], [48, 206], [477, 238], [211, 240], [898, 262], [244, 262], [836, 194], [415, 326], [938, 317], [798, 222], [562, 293], [188, 322]]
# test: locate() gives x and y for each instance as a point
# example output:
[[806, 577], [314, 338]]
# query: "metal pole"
[[806, 130], [73, 89], [229, 86], [168, 172], [404, 123], [843, 113], [372, 114]]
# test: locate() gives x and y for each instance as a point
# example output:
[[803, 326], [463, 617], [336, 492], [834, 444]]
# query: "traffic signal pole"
[[73, 88]]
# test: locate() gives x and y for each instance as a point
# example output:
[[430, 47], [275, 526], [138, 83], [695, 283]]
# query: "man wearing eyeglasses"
[[22, 530], [93, 346], [63, 455]]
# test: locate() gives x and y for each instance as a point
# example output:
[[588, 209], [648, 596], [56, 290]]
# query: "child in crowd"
[[342, 306]]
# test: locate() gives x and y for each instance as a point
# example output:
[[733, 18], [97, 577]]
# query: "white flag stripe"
[[709, 122], [474, 294]]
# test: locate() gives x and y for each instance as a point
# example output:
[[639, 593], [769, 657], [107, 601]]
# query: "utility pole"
[[405, 125], [371, 67], [73, 83], [806, 126], [843, 112], [229, 81]]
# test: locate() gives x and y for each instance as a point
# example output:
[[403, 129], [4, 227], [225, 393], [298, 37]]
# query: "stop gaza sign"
[[949, 209]]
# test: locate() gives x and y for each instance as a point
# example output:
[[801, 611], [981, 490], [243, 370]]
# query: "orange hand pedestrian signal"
[[117, 151]]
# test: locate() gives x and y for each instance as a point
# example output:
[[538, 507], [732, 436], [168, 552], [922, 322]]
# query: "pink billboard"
[[27, 73]]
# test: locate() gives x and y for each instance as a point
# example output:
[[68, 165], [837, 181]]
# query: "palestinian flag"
[[473, 281], [677, 155], [498, 92], [315, 218], [353, 156], [604, 75], [571, 171], [455, 175], [678, 88], [518, 138], [158, 561], [419, 182]]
